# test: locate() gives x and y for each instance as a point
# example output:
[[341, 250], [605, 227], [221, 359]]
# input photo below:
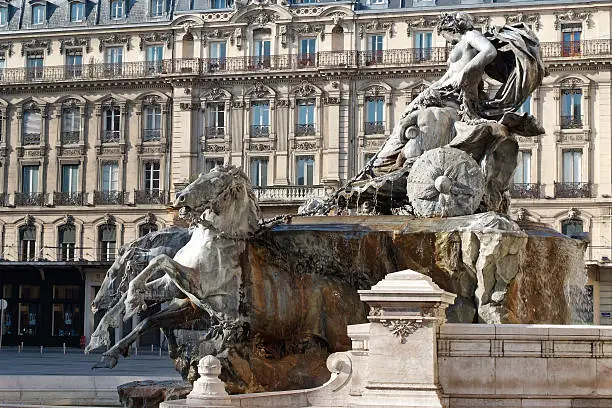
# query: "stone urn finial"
[[209, 391]]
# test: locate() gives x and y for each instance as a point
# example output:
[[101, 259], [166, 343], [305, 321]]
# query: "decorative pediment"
[[150, 218], [259, 91], [115, 39], [572, 16], [151, 100], [375, 91], [262, 18], [109, 219], [573, 213], [75, 42], [533, 19], [215, 94], [217, 34], [420, 23], [571, 83], [110, 102], [71, 103], [305, 90], [6, 47], [155, 38], [29, 220], [307, 28], [376, 26], [30, 106], [35, 44], [69, 220]]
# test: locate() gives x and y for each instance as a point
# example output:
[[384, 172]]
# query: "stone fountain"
[[272, 300]]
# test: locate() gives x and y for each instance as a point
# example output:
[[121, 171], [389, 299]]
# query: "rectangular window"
[[262, 53], [522, 174], [571, 108], [67, 320], [70, 178], [152, 123], [67, 241], [2, 65], [260, 119], [422, 45], [108, 242], [77, 11], [306, 117], [29, 319], [151, 176], [116, 9], [157, 8], [114, 60], [308, 51], [74, 62], [155, 55], [572, 166], [112, 125], [571, 36], [110, 177], [35, 65], [38, 14], [305, 171], [32, 126], [71, 126], [217, 54], [212, 162], [259, 172], [3, 15], [374, 116], [375, 49], [216, 120], [29, 179]]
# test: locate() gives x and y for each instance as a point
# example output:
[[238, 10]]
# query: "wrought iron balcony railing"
[[71, 137], [571, 122], [150, 197], [305, 129], [67, 252], [30, 139], [65, 198], [151, 135], [110, 197], [111, 136], [572, 190], [30, 199], [260, 130], [4, 199], [213, 132], [288, 194], [323, 59], [374, 128], [525, 190]]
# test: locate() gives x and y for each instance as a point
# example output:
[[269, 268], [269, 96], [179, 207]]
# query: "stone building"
[[108, 107]]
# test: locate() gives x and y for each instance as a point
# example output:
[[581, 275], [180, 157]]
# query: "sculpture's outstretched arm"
[[474, 69]]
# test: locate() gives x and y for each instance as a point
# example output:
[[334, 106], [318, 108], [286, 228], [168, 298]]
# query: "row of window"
[[571, 167]]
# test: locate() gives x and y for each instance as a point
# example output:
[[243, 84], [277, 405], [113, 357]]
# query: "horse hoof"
[[106, 361], [143, 307]]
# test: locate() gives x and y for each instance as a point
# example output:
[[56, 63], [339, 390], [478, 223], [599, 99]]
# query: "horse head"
[[225, 200]]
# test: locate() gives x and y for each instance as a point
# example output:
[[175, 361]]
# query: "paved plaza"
[[53, 361]]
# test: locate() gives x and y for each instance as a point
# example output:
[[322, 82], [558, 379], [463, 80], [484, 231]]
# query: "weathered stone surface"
[[149, 394]]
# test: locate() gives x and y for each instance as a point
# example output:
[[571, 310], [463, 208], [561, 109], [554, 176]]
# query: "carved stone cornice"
[[533, 19], [155, 37], [35, 44], [305, 146], [573, 16], [114, 39], [7, 47], [215, 94], [262, 18], [75, 42], [307, 28], [305, 90], [376, 26], [420, 23], [193, 106], [331, 100], [218, 34]]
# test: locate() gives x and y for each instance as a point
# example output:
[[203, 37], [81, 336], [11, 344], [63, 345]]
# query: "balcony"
[[30, 199], [67, 252], [65, 198], [374, 128], [71, 137], [4, 199], [287, 194], [571, 122], [150, 197], [110, 197], [110, 136], [260, 130], [213, 132], [576, 49], [572, 190], [151, 135], [525, 190], [31, 139], [305, 129]]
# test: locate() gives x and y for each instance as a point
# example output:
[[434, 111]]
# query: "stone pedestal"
[[406, 310], [209, 391]]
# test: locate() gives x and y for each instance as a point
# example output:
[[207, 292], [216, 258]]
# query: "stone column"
[[406, 310]]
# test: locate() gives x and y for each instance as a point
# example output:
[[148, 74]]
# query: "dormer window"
[[38, 14], [77, 12], [3, 14], [157, 8], [117, 9]]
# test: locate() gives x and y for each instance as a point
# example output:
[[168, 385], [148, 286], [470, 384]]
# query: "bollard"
[[22, 346], [64, 345], [160, 351], [135, 351], [209, 390], [152, 348], [41, 350]]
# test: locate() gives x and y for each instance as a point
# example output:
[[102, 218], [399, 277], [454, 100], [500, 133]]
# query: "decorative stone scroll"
[[572, 16], [420, 23], [305, 146], [376, 26], [262, 18], [155, 37], [403, 328], [331, 100], [217, 34], [6, 47], [307, 28], [113, 40], [35, 44], [75, 42], [533, 19]]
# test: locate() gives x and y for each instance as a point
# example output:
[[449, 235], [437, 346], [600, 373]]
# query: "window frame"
[[259, 178], [81, 6], [154, 5], [27, 251], [151, 176], [35, 15], [115, 7], [308, 170], [4, 13]]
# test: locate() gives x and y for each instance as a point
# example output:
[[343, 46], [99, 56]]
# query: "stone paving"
[[75, 363]]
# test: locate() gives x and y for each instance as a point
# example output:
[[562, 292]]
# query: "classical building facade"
[[109, 107]]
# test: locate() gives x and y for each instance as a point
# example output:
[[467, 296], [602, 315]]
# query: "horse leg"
[[179, 310], [162, 289], [100, 337], [186, 279]]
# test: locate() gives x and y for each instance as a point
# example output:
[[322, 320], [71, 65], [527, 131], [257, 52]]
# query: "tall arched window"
[[27, 243], [67, 243], [107, 238]]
